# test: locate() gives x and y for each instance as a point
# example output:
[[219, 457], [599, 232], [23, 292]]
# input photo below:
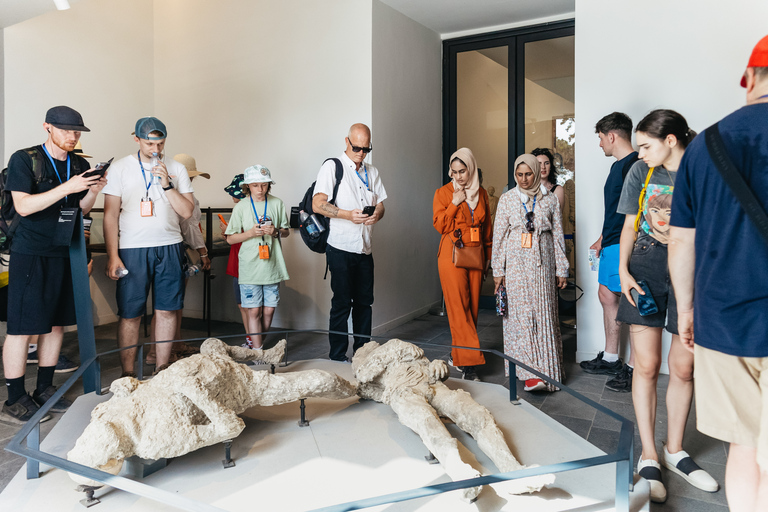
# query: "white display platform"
[[351, 450]]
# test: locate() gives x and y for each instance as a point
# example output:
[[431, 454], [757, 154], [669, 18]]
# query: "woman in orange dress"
[[461, 214]]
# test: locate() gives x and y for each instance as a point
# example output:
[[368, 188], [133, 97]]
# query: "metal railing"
[[30, 434]]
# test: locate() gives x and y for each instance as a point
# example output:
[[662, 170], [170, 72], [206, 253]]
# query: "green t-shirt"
[[252, 269]]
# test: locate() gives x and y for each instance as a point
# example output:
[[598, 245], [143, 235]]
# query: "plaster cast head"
[[103, 450]]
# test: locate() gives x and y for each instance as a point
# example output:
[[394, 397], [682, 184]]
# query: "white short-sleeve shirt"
[[353, 194], [125, 180]]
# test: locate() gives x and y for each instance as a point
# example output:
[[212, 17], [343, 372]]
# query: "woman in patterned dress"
[[529, 260]]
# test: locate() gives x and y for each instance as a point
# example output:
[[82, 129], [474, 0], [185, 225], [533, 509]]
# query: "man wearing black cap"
[[47, 186], [144, 199]]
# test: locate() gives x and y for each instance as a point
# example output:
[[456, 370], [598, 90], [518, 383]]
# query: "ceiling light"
[[61, 5]]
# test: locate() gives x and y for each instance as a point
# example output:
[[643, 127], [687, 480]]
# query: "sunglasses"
[[357, 149], [529, 221], [459, 244]]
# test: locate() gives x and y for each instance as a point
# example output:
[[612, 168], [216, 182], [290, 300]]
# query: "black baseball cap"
[[65, 118]]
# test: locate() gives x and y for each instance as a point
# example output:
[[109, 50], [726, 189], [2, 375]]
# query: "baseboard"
[[387, 326]]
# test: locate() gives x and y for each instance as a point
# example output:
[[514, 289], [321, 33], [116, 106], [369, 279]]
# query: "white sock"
[[610, 358]]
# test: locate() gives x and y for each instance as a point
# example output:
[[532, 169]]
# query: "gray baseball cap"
[[146, 125]]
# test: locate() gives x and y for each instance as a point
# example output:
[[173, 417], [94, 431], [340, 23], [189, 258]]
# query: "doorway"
[[507, 93]]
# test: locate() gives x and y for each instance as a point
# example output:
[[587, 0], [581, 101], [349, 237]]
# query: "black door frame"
[[515, 40]]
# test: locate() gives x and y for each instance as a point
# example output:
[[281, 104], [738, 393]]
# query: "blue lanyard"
[[763, 96], [532, 207], [365, 181], [471, 213], [55, 169], [254, 209], [142, 173]]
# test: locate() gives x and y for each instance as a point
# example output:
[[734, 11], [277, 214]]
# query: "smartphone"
[[100, 169], [368, 210], [645, 303]]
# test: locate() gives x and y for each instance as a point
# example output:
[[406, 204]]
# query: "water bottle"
[[155, 162], [310, 222], [191, 271], [121, 272], [594, 260]]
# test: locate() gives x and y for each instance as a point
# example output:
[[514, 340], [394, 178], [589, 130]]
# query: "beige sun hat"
[[79, 151], [189, 162]]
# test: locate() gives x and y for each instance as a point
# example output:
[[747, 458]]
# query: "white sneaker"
[[682, 464], [651, 471]]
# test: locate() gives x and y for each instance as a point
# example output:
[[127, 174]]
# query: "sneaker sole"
[[601, 372], [15, 421], [688, 478], [66, 370]]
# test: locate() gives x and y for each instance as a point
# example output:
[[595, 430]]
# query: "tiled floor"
[[434, 333]]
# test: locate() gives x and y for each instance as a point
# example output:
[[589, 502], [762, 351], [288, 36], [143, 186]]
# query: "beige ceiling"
[[441, 16]]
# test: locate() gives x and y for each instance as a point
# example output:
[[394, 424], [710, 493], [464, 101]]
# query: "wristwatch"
[[169, 187]]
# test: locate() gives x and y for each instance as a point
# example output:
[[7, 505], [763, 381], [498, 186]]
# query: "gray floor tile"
[[578, 426], [565, 405], [679, 503]]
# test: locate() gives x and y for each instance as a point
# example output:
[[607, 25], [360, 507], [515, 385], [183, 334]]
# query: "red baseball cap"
[[758, 59]]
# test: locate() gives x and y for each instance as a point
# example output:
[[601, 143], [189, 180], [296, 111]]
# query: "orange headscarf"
[[472, 189]]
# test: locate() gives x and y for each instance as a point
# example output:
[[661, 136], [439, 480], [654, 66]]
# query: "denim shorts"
[[649, 263], [258, 295], [160, 267], [608, 273]]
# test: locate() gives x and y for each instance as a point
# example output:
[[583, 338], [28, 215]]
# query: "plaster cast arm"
[[382, 356]]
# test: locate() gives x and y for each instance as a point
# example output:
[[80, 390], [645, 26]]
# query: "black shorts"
[[40, 294], [649, 263]]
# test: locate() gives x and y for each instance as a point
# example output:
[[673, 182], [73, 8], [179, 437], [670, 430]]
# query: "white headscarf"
[[472, 188]]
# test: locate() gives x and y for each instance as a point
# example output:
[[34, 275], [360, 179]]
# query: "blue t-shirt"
[[731, 280], [614, 221]]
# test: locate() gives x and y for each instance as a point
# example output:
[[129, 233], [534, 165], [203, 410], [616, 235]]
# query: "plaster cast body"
[[398, 374], [193, 403]]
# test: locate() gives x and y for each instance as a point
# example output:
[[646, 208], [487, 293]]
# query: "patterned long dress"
[[531, 327]]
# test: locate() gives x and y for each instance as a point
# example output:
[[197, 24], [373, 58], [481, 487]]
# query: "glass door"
[[505, 94]]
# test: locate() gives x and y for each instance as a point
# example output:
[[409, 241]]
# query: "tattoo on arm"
[[331, 210]]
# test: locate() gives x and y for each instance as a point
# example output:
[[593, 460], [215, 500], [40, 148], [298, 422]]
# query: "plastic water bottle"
[[121, 272], [594, 260], [310, 222], [191, 271], [155, 163]]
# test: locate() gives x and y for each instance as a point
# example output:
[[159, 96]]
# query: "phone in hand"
[[221, 218], [368, 210], [100, 169], [645, 303]]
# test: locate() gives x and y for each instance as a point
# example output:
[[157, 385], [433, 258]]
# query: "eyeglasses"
[[357, 149], [459, 244], [529, 221]]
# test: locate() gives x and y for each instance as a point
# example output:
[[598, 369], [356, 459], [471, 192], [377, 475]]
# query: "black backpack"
[[9, 220], [319, 243]]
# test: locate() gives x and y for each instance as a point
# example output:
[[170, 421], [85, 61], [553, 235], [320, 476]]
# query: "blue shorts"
[[161, 266], [258, 295], [608, 273]]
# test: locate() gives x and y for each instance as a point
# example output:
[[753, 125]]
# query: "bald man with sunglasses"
[[349, 240]]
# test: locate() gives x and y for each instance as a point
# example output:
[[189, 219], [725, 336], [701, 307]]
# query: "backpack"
[[319, 243], [9, 220]]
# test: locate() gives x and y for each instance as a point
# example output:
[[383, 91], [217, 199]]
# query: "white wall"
[[238, 82], [407, 113], [634, 58]]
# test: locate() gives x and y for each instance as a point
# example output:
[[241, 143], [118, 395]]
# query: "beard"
[[64, 143]]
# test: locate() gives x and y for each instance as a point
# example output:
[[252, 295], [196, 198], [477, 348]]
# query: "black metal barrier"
[[622, 456]]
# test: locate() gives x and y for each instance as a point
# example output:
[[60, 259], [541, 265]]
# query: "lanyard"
[[763, 96], [254, 209], [532, 207], [55, 169], [365, 181], [471, 213], [143, 175]]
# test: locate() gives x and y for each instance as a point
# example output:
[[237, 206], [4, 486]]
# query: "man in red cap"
[[717, 261]]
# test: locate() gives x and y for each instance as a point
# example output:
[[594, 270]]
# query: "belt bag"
[[469, 257]]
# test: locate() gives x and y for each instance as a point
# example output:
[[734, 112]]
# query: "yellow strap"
[[639, 218]]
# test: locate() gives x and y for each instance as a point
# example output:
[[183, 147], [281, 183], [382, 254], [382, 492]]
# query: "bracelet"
[[204, 255]]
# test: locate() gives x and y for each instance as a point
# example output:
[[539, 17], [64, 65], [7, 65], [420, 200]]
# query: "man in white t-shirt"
[[143, 201], [349, 240]]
